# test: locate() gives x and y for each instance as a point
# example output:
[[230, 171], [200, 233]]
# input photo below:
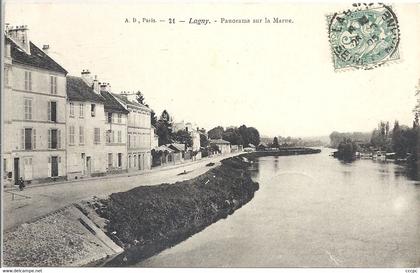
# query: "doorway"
[[88, 165], [16, 170], [54, 166]]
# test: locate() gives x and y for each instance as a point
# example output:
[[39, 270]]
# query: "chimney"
[[45, 48], [87, 77], [96, 85], [105, 87], [19, 35]]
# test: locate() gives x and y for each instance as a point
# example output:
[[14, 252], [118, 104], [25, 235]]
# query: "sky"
[[278, 78]]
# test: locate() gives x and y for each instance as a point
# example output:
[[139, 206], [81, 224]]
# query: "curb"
[[153, 170]]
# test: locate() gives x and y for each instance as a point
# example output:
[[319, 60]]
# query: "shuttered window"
[[28, 81], [28, 108], [71, 109], [81, 135], [97, 136], [71, 135], [53, 84]]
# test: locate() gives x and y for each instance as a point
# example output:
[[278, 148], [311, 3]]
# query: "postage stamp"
[[364, 37]]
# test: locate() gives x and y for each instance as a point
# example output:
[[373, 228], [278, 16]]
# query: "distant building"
[[192, 129], [138, 134], [223, 145], [34, 112]]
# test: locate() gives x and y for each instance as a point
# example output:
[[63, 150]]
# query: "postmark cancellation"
[[364, 37]]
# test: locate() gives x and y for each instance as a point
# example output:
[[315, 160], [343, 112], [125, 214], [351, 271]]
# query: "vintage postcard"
[[210, 135]]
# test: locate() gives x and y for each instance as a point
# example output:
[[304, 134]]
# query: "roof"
[[129, 102], [163, 148], [111, 104], [177, 146], [78, 90], [37, 58], [218, 141]]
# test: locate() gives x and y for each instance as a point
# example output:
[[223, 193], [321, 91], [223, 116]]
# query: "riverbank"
[[142, 221], [147, 220], [283, 152]]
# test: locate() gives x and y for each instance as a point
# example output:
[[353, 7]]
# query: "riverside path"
[[41, 200]]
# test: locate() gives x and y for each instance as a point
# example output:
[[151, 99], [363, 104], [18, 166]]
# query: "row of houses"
[[58, 126]]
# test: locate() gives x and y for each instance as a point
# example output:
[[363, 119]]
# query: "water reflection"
[[313, 211]]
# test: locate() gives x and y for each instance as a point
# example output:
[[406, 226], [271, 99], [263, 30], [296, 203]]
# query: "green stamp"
[[364, 37]]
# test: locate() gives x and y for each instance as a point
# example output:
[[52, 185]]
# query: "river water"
[[313, 211]]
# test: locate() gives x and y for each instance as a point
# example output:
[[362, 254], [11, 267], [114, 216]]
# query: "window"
[[129, 161], [54, 139], [71, 135], [97, 136], [108, 136], [109, 115], [28, 109], [28, 81], [119, 159], [119, 118], [81, 110], [119, 137], [110, 160], [28, 139], [81, 135], [53, 84], [5, 165], [129, 141], [113, 136], [71, 109], [52, 111], [135, 161], [92, 110]]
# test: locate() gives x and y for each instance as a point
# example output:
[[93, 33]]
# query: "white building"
[[34, 115], [85, 127], [138, 134]]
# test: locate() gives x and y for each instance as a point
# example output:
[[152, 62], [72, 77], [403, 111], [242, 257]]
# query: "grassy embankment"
[[149, 219]]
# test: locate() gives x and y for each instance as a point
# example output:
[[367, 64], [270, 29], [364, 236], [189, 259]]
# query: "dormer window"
[[92, 110]]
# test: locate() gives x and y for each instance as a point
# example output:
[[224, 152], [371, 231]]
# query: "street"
[[42, 200]]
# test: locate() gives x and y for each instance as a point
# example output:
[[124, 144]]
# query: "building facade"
[[85, 128], [138, 134], [116, 132], [34, 124], [222, 145], [192, 129]]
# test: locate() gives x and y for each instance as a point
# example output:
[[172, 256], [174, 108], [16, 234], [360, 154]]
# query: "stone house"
[[85, 127], [223, 145], [34, 115], [138, 134], [116, 132]]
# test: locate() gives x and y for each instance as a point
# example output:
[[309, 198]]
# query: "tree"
[[182, 136], [164, 133], [397, 141], [165, 117], [253, 136], [276, 142], [204, 142], [233, 136], [216, 132], [140, 97], [164, 128], [153, 118]]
